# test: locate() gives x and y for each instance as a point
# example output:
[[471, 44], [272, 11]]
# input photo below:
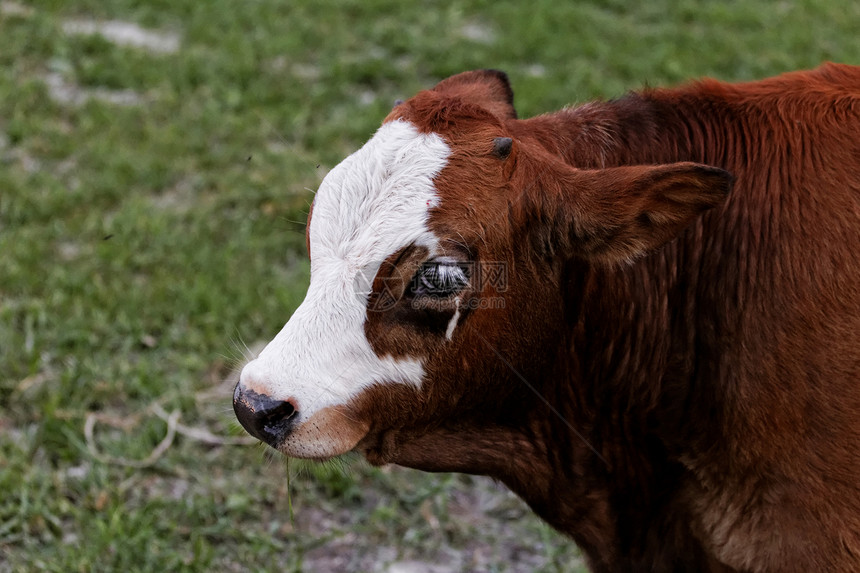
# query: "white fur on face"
[[371, 205]]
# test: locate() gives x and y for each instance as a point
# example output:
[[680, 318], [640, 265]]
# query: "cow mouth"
[[326, 434]]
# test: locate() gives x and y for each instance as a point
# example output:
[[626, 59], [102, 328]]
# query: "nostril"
[[279, 411], [264, 417]]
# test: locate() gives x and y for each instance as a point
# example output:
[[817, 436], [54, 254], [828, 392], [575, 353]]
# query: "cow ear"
[[490, 89], [619, 214]]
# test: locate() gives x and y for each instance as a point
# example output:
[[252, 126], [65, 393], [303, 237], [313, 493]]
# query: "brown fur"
[[674, 390]]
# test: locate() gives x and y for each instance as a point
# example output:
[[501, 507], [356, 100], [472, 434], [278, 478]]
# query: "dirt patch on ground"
[[63, 91], [15, 9], [126, 34]]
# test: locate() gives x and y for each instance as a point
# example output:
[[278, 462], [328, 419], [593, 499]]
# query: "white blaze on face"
[[371, 205]]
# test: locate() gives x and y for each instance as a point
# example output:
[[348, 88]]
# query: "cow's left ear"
[[619, 214], [490, 89]]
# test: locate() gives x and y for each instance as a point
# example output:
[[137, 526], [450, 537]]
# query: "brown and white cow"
[[668, 364]]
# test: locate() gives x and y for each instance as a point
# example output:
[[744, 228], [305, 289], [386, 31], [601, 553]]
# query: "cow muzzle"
[[267, 419]]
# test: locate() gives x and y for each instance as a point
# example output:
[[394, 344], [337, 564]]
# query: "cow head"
[[434, 296]]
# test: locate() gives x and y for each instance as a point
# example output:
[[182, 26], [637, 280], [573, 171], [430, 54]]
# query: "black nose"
[[265, 418]]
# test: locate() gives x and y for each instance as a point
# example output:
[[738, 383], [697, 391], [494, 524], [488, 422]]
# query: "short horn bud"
[[502, 147]]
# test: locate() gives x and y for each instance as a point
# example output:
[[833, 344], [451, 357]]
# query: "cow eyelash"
[[439, 279]]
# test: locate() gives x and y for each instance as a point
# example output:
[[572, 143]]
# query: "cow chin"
[[328, 433]]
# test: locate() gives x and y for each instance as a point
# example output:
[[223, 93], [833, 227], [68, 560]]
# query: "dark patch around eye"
[[429, 319]]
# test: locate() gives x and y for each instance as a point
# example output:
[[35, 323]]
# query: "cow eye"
[[440, 279]]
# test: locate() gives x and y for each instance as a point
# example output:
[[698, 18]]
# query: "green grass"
[[143, 244]]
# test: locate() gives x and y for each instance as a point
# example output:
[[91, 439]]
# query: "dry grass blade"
[[148, 461]]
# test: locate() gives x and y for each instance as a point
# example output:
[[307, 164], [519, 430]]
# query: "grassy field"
[[156, 162]]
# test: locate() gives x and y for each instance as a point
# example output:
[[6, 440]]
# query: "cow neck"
[[632, 334]]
